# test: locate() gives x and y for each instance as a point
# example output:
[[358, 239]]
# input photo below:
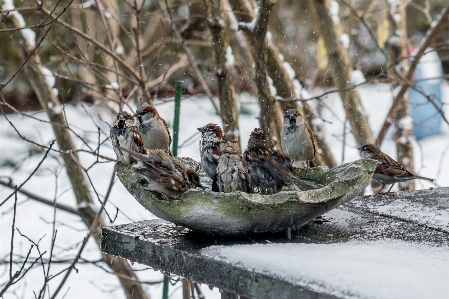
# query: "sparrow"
[[297, 139], [388, 171], [232, 170], [124, 134], [164, 175], [153, 128], [270, 169], [211, 135]]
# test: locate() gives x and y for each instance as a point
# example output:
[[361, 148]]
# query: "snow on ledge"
[[371, 269]]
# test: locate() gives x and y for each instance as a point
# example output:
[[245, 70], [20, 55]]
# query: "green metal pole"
[[165, 287], [178, 93]]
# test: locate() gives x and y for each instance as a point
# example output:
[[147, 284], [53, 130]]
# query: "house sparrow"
[[232, 170], [297, 140], [388, 171], [124, 133], [164, 175], [211, 135], [153, 128], [270, 170]]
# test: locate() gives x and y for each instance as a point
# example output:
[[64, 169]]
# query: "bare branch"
[[431, 35], [41, 199]]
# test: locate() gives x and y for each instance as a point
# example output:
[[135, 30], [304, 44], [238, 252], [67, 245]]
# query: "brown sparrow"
[[164, 175], [232, 170], [388, 171], [153, 128], [124, 134], [211, 135], [297, 140], [270, 170]]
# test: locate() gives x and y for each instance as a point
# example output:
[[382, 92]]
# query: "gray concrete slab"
[[173, 249]]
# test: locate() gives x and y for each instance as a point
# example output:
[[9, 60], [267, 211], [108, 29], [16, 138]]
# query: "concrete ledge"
[[174, 249]]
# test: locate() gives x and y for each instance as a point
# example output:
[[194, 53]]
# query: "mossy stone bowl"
[[241, 213]]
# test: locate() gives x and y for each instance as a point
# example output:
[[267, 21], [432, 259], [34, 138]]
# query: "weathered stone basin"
[[241, 213]]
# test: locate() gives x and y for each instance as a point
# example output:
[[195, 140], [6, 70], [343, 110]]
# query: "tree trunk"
[[50, 102], [256, 33], [402, 119], [341, 68], [283, 84], [224, 62]]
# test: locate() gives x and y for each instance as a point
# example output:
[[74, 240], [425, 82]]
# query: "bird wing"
[[391, 167], [138, 141], [168, 132], [312, 138]]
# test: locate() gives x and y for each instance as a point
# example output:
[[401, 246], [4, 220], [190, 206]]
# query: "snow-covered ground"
[[19, 158], [370, 269]]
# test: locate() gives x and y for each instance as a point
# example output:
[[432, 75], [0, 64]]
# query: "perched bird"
[[297, 140], [232, 170], [388, 171], [211, 135], [270, 170], [124, 134], [153, 128], [163, 174]]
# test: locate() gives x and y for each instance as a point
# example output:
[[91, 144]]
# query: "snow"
[[92, 282], [371, 269], [344, 40], [28, 34], [394, 4], [119, 50], [113, 85], [229, 57], [183, 11], [394, 40], [49, 78], [417, 212], [357, 77], [397, 17], [252, 25], [406, 123], [290, 71], [234, 24], [88, 3], [429, 66], [333, 11], [273, 89]]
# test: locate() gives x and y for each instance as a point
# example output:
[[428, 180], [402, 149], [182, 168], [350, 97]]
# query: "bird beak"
[[201, 130], [359, 148]]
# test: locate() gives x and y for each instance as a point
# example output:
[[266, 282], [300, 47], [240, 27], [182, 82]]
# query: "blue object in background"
[[426, 118]]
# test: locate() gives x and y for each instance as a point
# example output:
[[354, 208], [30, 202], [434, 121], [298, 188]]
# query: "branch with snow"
[[434, 31], [28, 35]]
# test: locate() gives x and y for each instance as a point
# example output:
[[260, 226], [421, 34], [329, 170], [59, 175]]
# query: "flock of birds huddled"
[[142, 141]]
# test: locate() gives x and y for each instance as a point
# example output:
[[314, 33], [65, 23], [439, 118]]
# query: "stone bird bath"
[[240, 213]]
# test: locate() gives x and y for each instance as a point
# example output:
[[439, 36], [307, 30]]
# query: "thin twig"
[[12, 233], [72, 266], [32, 173], [41, 199]]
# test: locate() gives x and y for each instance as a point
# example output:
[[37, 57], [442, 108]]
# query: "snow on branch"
[[28, 34], [434, 31]]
